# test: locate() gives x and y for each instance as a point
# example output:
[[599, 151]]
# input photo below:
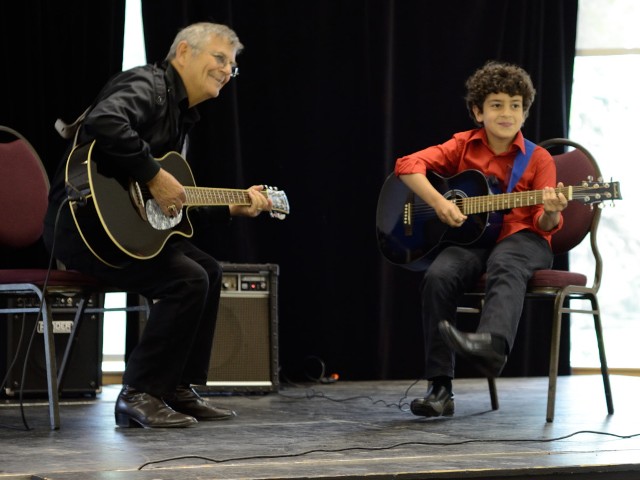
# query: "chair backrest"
[[24, 188], [573, 167]]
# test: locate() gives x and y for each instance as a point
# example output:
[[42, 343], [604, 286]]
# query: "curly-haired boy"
[[498, 98]]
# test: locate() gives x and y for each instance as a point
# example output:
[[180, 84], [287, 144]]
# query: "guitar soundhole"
[[137, 199], [455, 194]]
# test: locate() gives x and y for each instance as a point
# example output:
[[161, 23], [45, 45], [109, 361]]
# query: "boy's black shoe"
[[477, 347], [438, 402]]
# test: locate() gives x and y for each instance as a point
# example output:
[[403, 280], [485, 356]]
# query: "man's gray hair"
[[197, 34]]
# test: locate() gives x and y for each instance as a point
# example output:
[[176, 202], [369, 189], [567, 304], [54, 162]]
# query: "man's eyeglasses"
[[223, 61]]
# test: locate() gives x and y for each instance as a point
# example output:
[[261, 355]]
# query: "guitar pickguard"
[[157, 219]]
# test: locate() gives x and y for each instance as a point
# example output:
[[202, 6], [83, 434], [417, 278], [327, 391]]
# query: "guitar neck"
[[203, 196], [506, 201]]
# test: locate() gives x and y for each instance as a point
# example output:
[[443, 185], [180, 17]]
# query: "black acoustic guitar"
[[119, 221], [408, 230]]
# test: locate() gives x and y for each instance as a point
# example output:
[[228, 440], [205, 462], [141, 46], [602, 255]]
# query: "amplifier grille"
[[241, 347]]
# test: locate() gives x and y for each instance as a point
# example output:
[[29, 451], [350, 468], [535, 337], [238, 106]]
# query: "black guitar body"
[[110, 225]]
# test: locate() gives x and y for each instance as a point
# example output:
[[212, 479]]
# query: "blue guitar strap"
[[520, 164]]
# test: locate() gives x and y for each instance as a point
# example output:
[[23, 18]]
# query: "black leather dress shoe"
[[476, 347], [438, 402], [186, 400], [139, 409]]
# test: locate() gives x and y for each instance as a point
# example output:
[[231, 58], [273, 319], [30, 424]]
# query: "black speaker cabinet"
[[245, 347], [84, 369]]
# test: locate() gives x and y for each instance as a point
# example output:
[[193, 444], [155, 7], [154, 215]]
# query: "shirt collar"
[[519, 141], [480, 135], [176, 83]]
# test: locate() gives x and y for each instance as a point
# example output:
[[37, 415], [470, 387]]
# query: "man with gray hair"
[[139, 116]]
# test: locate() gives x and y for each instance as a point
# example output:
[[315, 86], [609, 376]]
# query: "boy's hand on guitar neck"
[[168, 192], [553, 202]]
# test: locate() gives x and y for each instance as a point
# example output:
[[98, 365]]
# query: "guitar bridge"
[[407, 215]]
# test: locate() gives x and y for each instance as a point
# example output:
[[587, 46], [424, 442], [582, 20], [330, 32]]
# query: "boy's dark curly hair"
[[498, 77]]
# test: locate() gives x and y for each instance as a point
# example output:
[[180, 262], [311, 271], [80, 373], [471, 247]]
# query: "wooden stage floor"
[[342, 430]]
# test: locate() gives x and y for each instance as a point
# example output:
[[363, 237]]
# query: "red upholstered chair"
[[24, 189], [574, 166]]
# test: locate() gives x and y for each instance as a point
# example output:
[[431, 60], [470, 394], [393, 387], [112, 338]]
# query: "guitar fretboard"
[[506, 201], [202, 196]]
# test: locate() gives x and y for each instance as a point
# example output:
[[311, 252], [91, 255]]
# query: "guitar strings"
[[207, 196], [578, 193]]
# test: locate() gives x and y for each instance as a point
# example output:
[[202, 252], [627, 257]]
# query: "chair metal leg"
[[493, 392], [554, 357], [603, 357], [50, 360], [62, 368]]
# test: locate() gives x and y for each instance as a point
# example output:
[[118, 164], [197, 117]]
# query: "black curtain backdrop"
[[330, 94]]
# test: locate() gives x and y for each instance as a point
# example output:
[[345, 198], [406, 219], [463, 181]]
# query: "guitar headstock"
[[592, 192], [280, 207]]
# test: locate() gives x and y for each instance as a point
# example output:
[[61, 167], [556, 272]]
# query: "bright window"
[[115, 322], [604, 118]]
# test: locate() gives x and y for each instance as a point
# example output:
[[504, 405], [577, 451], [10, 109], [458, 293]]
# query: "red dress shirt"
[[470, 150]]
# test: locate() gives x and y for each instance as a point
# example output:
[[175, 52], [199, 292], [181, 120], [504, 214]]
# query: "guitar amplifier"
[[245, 346], [244, 356], [83, 375]]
